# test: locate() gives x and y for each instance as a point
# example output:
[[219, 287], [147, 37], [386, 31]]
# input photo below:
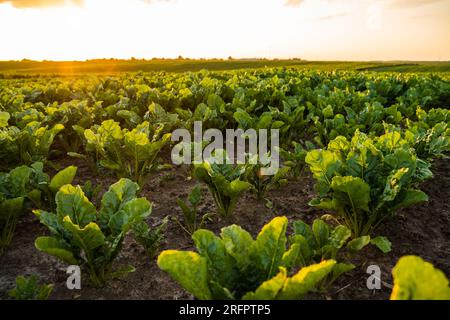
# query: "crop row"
[[368, 139]]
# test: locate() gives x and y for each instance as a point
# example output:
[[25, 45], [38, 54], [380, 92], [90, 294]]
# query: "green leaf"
[[382, 243], [4, 118], [189, 269], [352, 192], [412, 197], [221, 265], [323, 165], [53, 247], [416, 279], [321, 232], [72, 202], [238, 243], [132, 212], [87, 238], [269, 289], [358, 243], [195, 196], [117, 196], [62, 178], [269, 247], [339, 236], [339, 269], [301, 228], [305, 280]]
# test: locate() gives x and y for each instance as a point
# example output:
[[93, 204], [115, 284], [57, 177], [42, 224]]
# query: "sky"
[[307, 29]]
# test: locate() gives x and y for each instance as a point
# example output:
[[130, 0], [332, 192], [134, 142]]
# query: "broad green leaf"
[[62, 178], [133, 211], [291, 257], [352, 192], [301, 228], [269, 289], [221, 265], [238, 243], [189, 269], [17, 181], [305, 254], [358, 243], [412, 197], [53, 247], [339, 236], [4, 118], [324, 165], [416, 279], [339, 269], [269, 246], [88, 238], [305, 280], [72, 202], [382, 243], [321, 232], [118, 194]]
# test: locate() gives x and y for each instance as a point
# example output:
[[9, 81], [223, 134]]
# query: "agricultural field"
[[88, 180]]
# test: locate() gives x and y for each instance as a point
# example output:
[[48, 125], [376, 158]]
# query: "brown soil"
[[421, 230]]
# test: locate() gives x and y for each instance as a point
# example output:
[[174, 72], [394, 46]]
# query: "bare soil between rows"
[[421, 230]]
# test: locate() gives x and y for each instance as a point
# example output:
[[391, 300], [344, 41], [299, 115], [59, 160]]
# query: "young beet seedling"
[[190, 212]]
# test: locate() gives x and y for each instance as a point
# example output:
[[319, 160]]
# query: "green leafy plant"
[[235, 266], [416, 279], [322, 241], [367, 180], [261, 183], [24, 188], [76, 116], [131, 154], [81, 235], [295, 159], [223, 180], [150, 238], [27, 145], [191, 217], [28, 288]]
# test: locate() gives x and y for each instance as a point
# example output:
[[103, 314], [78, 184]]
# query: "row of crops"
[[368, 139]]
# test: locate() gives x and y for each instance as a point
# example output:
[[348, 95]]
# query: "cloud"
[[293, 3], [40, 3]]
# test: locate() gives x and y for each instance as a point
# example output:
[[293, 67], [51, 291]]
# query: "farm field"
[[88, 179], [109, 66]]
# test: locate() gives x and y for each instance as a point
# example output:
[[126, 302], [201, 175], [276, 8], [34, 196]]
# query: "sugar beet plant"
[[235, 266], [24, 188], [28, 288], [191, 215], [260, 182], [130, 154], [27, 144], [223, 180], [81, 235], [364, 180], [322, 241]]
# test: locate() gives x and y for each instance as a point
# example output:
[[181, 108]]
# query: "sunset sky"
[[309, 29]]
